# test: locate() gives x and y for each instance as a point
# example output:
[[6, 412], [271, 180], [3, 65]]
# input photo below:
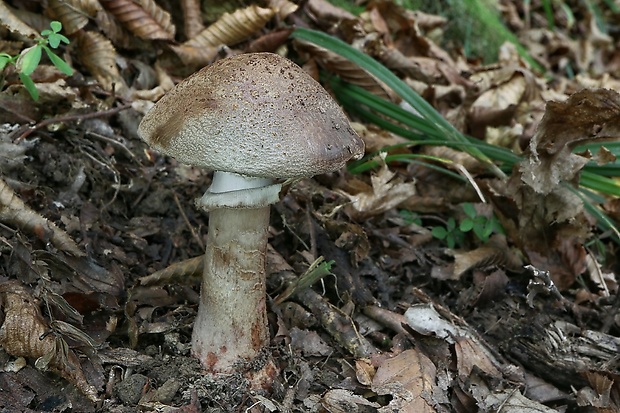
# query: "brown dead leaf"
[[144, 18], [228, 30], [192, 17], [410, 379], [386, 192], [590, 115], [481, 257], [283, 7], [73, 14], [326, 14], [9, 20], [98, 55], [25, 333]]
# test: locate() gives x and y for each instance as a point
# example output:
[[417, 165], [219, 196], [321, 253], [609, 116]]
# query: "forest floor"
[[518, 313]]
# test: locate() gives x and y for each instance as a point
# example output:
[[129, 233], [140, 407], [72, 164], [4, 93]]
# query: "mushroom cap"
[[256, 114]]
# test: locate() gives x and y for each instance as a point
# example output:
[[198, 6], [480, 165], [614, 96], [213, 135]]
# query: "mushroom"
[[255, 120]]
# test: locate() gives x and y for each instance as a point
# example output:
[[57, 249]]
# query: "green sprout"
[[450, 234], [28, 60], [482, 226]]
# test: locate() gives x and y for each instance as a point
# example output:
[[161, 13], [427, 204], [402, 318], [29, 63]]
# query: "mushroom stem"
[[231, 324]]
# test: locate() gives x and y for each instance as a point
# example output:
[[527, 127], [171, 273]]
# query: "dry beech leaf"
[[283, 7], [270, 42], [9, 20], [25, 333], [324, 13], [590, 115], [409, 378], [228, 30], [192, 17], [98, 55], [73, 14], [387, 192], [376, 139], [424, 69], [481, 257], [114, 30], [144, 18], [348, 71], [14, 211]]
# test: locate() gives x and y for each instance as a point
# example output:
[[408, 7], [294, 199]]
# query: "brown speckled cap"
[[255, 114]]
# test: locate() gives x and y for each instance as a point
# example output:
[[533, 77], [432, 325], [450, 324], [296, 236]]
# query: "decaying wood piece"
[[14, 211]]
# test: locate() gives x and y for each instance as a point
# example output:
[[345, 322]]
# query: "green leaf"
[[56, 26], [29, 85], [4, 60], [451, 241], [451, 224], [58, 62], [439, 232], [53, 40], [29, 60], [466, 225], [469, 210]]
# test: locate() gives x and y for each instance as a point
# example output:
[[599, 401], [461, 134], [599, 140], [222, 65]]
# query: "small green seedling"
[[410, 217], [450, 234], [481, 226], [28, 60]]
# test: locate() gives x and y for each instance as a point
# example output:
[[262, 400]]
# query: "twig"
[[189, 225], [23, 134]]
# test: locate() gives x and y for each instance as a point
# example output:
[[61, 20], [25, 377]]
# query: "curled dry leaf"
[[270, 42], [590, 115], [387, 192], [283, 7], [114, 30], [144, 18], [99, 56], [13, 23], [409, 378], [25, 333], [325, 13], [228, 30], [192, 17], [73, 14], [14, 211]]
